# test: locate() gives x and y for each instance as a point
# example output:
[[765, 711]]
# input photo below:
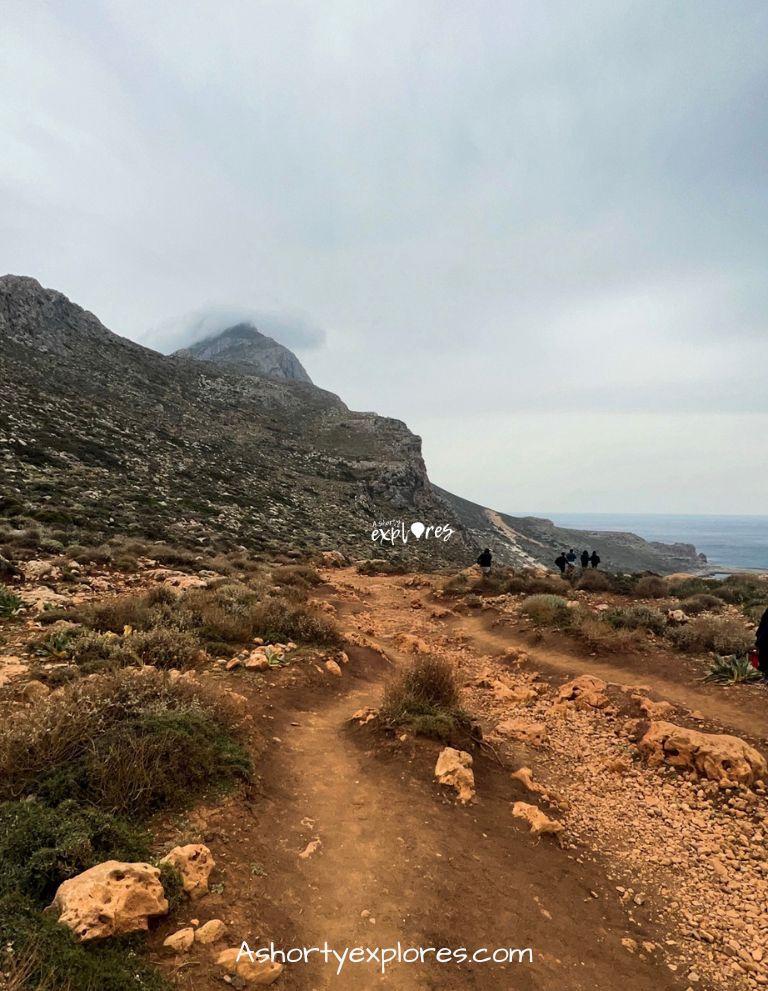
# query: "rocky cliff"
[[102, 437]]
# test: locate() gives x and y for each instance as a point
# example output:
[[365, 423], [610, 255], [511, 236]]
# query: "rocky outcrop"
[[250, 352], [728, 760], [194, 862], [110, 899], [454, 768]]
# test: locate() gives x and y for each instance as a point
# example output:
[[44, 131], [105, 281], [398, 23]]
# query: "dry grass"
[[720, 634], [547, 610]]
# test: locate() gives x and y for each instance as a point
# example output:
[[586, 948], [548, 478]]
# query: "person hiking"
[[561, 562], [594, 559], [570, 557], [761, 643], [484, 560], [584, 559]]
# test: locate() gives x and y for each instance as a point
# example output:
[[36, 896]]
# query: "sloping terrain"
[[100, 437]]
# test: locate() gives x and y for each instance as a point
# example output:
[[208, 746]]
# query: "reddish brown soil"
[[398, 860]]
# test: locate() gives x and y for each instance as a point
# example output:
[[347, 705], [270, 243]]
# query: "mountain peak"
[[245, 347]]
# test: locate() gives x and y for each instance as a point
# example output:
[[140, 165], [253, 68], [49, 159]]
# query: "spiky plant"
[[732, 670]]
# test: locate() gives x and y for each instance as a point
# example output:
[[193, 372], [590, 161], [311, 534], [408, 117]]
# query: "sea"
[[738, 542]]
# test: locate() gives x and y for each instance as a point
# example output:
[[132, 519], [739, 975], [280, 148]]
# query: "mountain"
[[100, 437], [244, 349]]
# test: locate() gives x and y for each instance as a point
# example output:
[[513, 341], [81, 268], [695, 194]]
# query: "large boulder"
[[194, 862], [454, 768], [111, 899], [728, 760]]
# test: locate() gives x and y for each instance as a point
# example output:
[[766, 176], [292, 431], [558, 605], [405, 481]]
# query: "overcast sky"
[[537, 232]]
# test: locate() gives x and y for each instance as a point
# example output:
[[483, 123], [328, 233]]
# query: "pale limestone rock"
[[454, 767], [111, 899], [195, 863], [540, 823]]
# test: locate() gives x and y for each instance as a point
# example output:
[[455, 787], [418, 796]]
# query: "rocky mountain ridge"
[[100, 437], [245, 349]]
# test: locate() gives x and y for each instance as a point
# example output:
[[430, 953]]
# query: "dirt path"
[[397, 860], [662, 675], [430, 873]]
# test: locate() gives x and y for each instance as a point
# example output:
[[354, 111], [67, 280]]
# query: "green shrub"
[[165, 648], [280, 620], [10, 603], [42, 846], [637, 618], [547, 610], [129, 741], [732, 671], [683, 588], [424, 695], [598, 635], [694, 605], [754, 613], [38, 954], [651, 587], [719, 634]]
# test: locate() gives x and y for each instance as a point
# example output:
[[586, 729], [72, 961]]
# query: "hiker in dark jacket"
[[761, 642], [570, 557], [584, 559], [484, 560], [561, 562], [594, 559]]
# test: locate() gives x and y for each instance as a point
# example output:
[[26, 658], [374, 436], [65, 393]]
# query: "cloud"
[[496, 209], [292, 330]]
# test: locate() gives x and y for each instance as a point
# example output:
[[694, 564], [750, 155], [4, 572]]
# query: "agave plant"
[[10, 603], [732, 670]]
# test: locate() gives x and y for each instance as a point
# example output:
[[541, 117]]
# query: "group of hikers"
[[567, 562]]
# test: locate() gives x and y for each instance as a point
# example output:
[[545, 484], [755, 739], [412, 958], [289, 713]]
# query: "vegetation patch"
[[424, 696], [547, 610], [723, 635]]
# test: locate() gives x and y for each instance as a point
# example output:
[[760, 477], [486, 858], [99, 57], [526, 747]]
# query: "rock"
[[312, 847], [728, 760], [412, 644], [525, 776], [180, 941], [254, 971], [111, 899], [454, 768], [10, 667], [539, 822], [332, 667], [363, 716], [676, 617], [256, 661], [35, 571], [586, 692], [521, 729], [233, 663], [333, 559], [654, 710], [195, 863], [210, 932], [33, 691]]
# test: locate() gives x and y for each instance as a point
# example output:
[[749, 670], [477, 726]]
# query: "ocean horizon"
[[727, 541]]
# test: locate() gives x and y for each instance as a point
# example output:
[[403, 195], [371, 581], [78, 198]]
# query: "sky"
[[537, 232]]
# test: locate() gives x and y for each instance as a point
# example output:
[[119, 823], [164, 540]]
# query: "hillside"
[[101, 437]]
